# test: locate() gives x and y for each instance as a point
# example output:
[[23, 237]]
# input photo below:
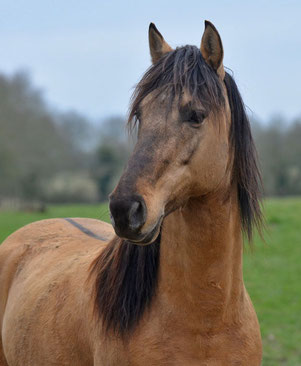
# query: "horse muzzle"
[[128, 216]]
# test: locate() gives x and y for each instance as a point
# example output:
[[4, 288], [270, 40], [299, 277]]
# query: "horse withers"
[[168, 288]]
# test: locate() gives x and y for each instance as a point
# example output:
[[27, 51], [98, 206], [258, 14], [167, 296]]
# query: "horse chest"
[[233, 347]]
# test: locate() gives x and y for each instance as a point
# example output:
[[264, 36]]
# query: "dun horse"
[[168, 288]]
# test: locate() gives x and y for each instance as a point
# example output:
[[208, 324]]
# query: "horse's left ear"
[[212, 49]]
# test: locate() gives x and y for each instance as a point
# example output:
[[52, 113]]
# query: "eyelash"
[[137, 115]]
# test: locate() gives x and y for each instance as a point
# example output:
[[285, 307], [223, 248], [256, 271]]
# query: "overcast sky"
[[88, 55]]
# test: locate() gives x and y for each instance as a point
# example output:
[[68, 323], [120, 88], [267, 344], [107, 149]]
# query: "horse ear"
[[157, 44], [212, 49]]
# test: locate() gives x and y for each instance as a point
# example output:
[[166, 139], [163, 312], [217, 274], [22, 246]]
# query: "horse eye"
[[195, 118]]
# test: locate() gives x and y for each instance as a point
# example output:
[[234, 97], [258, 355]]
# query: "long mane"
[[246, 173], [126, 274]]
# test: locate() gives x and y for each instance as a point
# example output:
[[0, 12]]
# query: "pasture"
[[272, 271]]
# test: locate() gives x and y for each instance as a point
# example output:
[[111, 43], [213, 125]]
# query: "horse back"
[[44, 268]]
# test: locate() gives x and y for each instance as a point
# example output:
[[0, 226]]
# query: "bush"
[[71, 187]]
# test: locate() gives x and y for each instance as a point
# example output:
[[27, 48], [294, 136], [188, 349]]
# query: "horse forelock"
[[181, 70]]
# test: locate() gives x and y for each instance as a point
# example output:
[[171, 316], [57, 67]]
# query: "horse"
[[162, 285]]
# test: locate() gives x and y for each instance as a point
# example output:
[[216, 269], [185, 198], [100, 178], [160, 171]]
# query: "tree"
[[111, 155], [35, 142]]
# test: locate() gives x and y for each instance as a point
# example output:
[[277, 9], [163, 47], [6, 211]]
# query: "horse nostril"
[[128, 215], [137, 215]]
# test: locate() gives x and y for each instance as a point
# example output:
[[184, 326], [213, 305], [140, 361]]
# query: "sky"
[[88, 55]]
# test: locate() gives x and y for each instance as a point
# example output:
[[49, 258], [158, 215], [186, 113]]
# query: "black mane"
[[126, 280], [126, 274], [246, 173]]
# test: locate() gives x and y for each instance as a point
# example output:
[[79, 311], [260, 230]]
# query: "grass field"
[[272, 271]]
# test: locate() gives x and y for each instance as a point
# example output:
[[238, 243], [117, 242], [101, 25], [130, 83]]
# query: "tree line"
[[52, 156], [48, 155]]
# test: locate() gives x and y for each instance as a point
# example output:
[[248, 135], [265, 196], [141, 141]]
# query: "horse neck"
[[201, 261]]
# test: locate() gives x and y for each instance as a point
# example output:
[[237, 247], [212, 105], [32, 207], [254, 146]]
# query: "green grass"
[[273, 278], [272, 271]]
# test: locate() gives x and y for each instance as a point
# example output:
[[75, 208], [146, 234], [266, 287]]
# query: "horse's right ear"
[[157, 44], [212, 49]]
